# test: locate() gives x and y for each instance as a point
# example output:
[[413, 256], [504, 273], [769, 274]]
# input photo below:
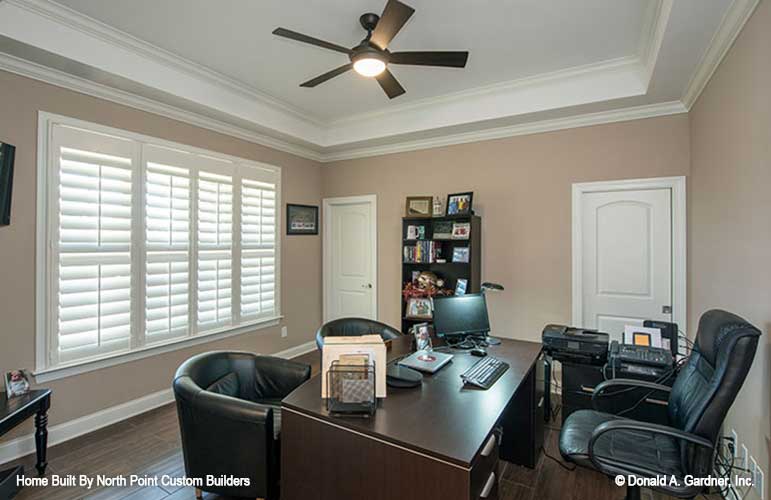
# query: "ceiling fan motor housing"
[[369, 21]]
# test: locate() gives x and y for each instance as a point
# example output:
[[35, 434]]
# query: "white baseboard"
[[71, 429], [65, 431]]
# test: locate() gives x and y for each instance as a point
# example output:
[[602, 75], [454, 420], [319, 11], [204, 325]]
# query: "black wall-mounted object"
[[302, 219], [7, 155]]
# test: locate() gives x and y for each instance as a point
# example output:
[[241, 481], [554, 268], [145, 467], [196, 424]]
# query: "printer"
[[564, 343]]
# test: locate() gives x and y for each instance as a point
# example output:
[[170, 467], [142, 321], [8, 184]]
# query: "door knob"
[[368, 285]]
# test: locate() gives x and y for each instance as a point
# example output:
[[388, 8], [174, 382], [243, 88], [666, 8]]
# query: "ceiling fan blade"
[[389, 84], [391, 21], [309, 39], [447, 59], [327, 76]]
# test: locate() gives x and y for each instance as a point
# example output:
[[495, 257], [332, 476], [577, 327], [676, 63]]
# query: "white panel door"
[[626, 254], [349, 257]]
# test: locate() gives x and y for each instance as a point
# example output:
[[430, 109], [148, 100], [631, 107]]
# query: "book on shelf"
[[422, 252]]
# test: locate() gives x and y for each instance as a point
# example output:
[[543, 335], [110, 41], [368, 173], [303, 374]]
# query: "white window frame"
[[44, 255]]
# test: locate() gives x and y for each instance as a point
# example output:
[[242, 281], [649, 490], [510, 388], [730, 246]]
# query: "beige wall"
[[20, 100], [522, 190], [730, 224]]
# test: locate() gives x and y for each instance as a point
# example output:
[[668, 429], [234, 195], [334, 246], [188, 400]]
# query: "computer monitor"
[[461, 315]]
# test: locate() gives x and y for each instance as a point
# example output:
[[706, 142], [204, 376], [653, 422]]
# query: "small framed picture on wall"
[[302, 219]]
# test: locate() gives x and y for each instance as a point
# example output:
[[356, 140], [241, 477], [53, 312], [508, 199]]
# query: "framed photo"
[[302, 219], [461, 230], [460, 254], [442, 230], [422, 333], [16, 383], [460, 203], [461, 286], [419, 206], [419, 308]]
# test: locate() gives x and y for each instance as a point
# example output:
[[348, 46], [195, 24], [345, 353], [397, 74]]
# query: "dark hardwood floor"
[[149, 444]]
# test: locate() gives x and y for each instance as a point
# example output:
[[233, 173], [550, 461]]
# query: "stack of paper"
[[364, 348]]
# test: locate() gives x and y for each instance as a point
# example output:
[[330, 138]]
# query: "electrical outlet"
[[284, 332]]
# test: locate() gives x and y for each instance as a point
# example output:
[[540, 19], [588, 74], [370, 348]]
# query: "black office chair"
[[704, 390], [354, 327], [229, 408]]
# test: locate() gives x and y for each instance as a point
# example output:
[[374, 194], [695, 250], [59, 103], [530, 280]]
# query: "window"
[[149, 243]]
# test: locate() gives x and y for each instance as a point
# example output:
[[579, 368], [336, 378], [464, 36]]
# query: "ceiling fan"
[[371, 57]]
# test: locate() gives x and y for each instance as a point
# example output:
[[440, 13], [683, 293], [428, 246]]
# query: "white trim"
[[326, 254], [679, 239], [65, 431], [80, 367], [582, 120], [44, 369], [58, 78], [731, 25], [325, 154], [78, 21]]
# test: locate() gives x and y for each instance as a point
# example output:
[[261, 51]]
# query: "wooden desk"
[[433, 442], [15, 410]]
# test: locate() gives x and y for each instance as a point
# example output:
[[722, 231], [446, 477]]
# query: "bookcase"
[[422, 248]]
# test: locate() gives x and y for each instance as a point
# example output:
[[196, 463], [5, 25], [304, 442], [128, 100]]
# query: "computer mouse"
[[478, 351]]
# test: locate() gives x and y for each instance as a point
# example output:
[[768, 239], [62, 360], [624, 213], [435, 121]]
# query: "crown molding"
[[583, 120], [65, 80], [73, 19], [653, 36], [732, 24]]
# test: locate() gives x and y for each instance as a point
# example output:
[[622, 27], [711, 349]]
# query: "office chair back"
[[708, 384], [354, 327]]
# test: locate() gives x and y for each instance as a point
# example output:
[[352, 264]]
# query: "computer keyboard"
[[485, 372]]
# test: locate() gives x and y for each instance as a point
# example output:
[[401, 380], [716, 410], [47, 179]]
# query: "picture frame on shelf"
[[460, 203], [461, 286], [419, 206], [422, 333], [419, 308], [16, 383], [443, 230], [460, 254], [302, 219], [461, 230]]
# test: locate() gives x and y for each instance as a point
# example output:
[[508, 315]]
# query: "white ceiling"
[[507, 40], [534, 65]]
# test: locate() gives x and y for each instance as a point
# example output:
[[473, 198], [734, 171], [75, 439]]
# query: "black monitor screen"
[[461, 315]]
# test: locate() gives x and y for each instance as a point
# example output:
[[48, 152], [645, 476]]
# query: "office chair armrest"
[[635, 425], [624, 382]]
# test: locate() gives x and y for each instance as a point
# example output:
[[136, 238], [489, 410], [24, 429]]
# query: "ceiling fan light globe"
[[369, 66]]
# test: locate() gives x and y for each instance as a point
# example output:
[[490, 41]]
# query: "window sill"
[[70, 370]]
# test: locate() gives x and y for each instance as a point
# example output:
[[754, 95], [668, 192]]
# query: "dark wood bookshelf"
[[449, 271]]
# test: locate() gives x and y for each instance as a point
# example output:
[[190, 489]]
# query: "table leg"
[[41, 440]]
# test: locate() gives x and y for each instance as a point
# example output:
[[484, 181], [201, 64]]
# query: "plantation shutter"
[[150, 243], [92, 241], [258, 243], [215, 249], [167, 244]]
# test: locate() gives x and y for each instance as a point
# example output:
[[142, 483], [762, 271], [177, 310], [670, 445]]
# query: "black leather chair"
[[704, 390], [229, 408], [354, 327]]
